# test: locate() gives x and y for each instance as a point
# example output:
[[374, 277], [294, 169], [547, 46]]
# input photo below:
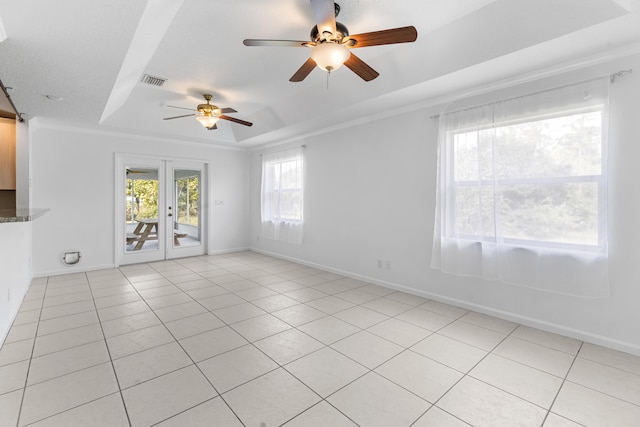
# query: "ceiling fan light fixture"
[[208, 121], [330, 56]]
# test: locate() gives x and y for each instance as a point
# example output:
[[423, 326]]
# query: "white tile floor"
[[246, 339]]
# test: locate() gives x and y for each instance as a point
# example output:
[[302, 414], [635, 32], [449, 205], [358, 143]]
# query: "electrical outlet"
[[387, 265], [379, 263]]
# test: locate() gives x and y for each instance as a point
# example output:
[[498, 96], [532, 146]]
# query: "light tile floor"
[[247, 339]]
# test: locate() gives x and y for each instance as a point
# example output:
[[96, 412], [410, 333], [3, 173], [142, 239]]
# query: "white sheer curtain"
[[282, 195], [522, 191]]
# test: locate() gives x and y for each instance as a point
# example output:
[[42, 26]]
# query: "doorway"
[[160, 209]]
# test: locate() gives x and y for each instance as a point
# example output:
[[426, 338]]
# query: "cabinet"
[[7, 154]]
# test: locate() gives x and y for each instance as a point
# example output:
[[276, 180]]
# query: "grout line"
[[194, 362], [252, 343], [564, 380], [113, 369], [466, 374], [35, 336], [240, 264]]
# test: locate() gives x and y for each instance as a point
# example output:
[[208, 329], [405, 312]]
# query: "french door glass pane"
[[186, 225], [141, 213]]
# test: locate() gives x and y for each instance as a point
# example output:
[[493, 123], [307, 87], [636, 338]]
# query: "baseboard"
[[72, 270], [523, 320], [513, 317], [228, 251]]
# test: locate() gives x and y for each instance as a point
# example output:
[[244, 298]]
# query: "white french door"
[[160, 209]]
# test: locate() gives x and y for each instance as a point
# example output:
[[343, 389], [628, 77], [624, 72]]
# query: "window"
[[187, 198], [282, 195], [533, 182], [522, 191]]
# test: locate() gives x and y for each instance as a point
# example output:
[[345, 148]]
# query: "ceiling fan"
[[209, 114], [331, 43]]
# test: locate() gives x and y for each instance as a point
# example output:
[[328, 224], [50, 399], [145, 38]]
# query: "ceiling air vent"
[[153, 80]]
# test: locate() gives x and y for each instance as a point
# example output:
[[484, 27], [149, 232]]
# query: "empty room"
[[319, 213]]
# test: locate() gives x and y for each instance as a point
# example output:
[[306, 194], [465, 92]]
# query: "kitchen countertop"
[[20, 215]]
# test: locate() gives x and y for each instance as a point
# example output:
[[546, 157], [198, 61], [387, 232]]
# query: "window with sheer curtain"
[[282, 195], [522, 191]]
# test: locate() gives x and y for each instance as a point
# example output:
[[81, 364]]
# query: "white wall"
[[15, 270], [370, 192], [370, 195], [72, 173]]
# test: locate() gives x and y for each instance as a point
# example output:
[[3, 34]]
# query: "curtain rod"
[[612, 79], [285, 149], [15, 110]]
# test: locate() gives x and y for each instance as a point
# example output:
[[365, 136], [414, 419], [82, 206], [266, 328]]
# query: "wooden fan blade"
[[377, 38], [325, 15], [178, 117], [227, 110], [182, 108], [303, 71], [213, 127], [233, 119], [359, 67], [276, 43]]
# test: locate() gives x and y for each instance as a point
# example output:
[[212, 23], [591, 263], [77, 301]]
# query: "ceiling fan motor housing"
[[341, 32], [208, 109]]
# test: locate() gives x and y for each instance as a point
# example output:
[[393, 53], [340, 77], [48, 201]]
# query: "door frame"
[[163, 163]]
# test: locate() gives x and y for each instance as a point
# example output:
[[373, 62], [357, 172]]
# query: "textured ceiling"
[[92, 55]]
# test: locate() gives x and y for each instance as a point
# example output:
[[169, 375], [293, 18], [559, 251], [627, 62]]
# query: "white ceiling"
[[92, 54]]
